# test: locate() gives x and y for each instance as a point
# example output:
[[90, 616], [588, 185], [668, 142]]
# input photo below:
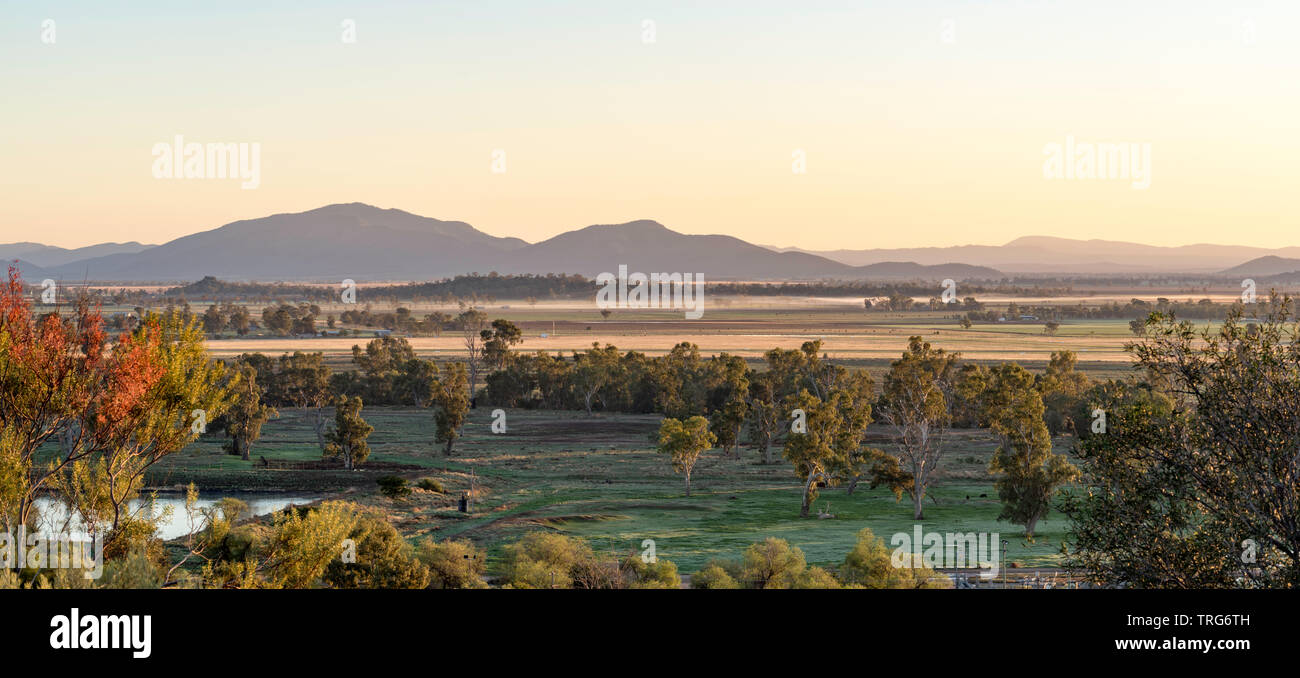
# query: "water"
[[53, 513]]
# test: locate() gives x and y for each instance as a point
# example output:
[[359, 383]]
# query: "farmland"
[[599, 477]]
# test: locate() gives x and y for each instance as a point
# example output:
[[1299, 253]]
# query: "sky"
[[820, 125]]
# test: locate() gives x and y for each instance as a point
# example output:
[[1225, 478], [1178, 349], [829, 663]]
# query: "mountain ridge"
[[364, 242]]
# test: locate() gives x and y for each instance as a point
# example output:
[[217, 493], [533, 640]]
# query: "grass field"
[[598, 478]]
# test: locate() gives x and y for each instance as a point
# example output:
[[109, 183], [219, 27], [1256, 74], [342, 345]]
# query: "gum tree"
[[1027, 472], [451, 403], [915, 403], [684, 442], [347, 438]]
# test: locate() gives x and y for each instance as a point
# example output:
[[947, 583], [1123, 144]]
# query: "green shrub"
[[393, 487], [430, 485], [713, 577], [383, 559], [453, 564], [544, 560]]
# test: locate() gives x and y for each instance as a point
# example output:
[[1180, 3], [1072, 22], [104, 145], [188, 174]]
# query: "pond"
[[177, 524]]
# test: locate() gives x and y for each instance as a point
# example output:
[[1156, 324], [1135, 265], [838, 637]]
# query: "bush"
[[453, 564], [661, 574], [430, 485], [544, 560], [393, 487], [383, 559], [772, 564], [713, 577], [870, 565]]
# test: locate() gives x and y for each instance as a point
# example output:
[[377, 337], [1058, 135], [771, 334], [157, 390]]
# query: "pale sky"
[[922, 123]]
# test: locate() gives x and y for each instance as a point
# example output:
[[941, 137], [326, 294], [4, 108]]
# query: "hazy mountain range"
[[1044, 254], [362, 242]]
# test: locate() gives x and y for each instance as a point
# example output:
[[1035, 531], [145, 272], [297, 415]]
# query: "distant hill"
[[48, 255], [1044, 254], [1264, 266], [913, 270], [31, 273], [330, 243], [362, 242], [649, 247]]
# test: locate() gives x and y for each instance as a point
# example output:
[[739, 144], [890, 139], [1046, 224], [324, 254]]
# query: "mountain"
[[646, 246], [362, 242], [913, 270], [31, 273], [334, 242], [1044, 254], [1264, 266], [48, 255]]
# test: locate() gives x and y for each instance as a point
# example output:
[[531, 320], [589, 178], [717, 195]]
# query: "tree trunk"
[[320, 428], [446, 451], [918, 495], [688, 483], [244, 449], [853, 484], [807, 493]]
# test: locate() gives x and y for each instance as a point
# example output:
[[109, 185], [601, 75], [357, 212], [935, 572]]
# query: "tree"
[[772, 564], [416, 383], [543, 560], [728, 401], [384, 560], [1062, 386], [472, 323], [1027, 472], [967, 395], [393, 487], [213, 322], [685, 442], [247, 413], [965, 322], [303, 379], [915, 403], [498, 341], [766, 414], [593, 370], [118, 406], [383, 355], [452, 405], [830, 447], [347, 437], [1051, 327], [386, 362], [240, 320], [453, 564], [300, 547], [870, 565], [1215, 475]]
